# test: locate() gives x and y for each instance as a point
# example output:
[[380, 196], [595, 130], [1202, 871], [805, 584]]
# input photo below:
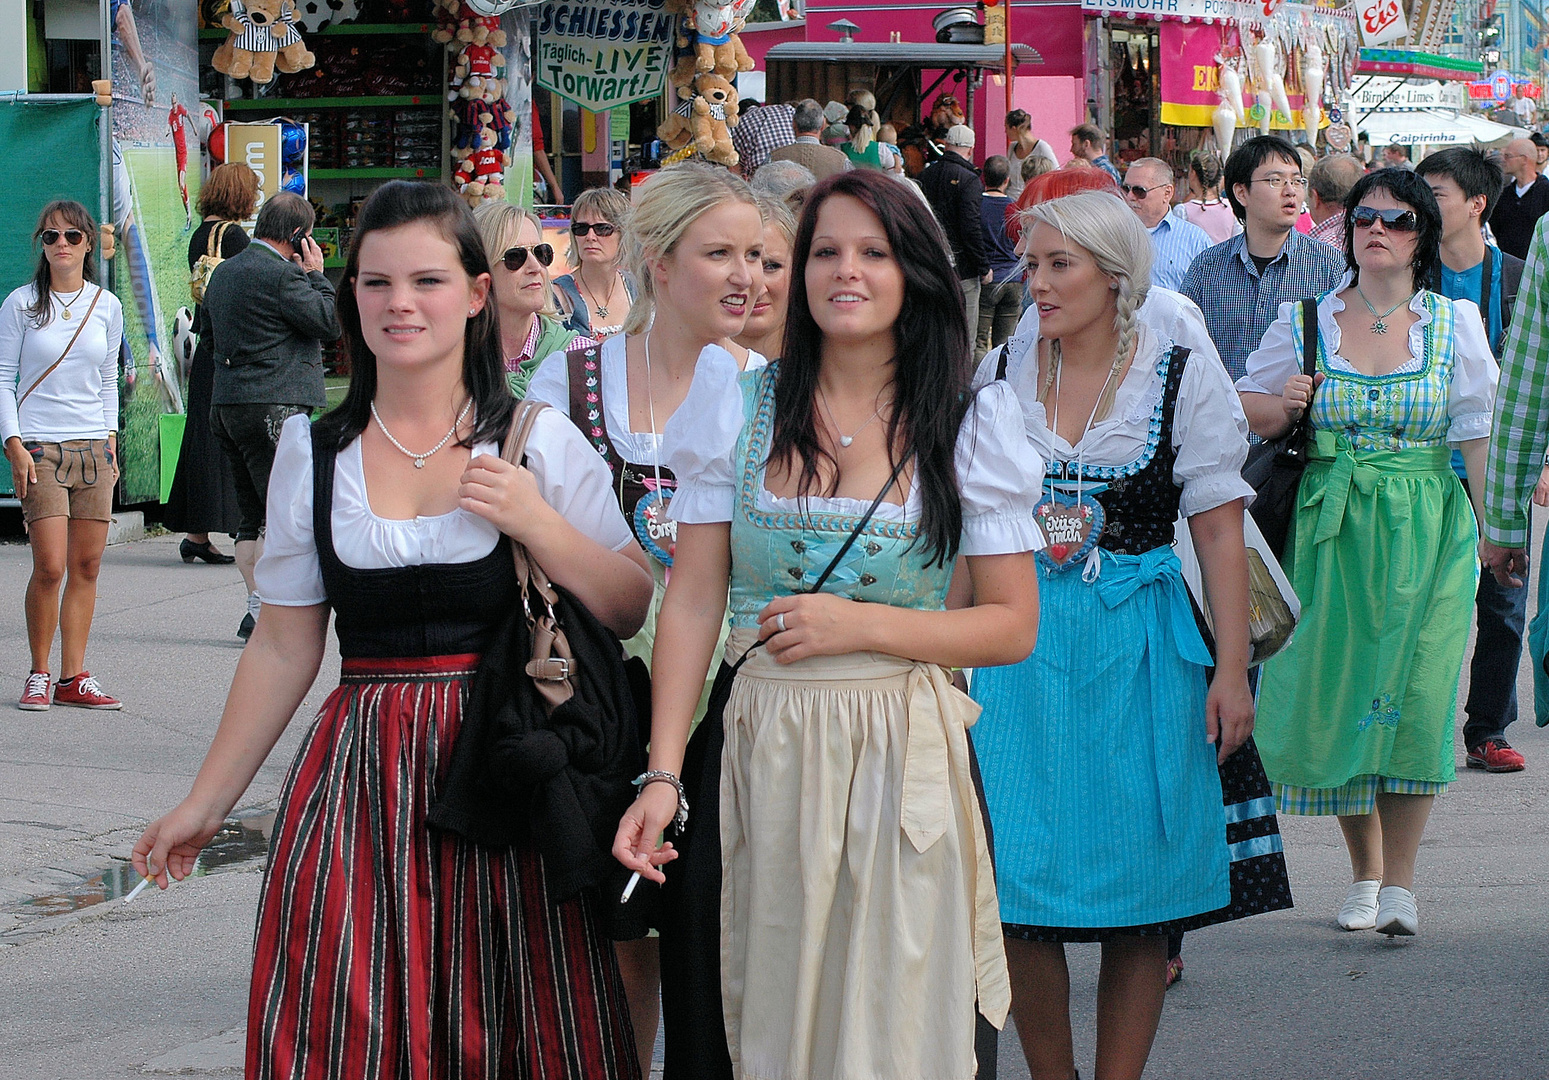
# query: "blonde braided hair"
[[1100, 223]]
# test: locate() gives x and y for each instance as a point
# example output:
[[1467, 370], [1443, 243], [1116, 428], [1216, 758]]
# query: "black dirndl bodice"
[[435, 609], [1139, 500]]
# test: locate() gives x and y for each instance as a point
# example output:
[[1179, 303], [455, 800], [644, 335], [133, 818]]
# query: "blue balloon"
[[293, 142], [293, 182]]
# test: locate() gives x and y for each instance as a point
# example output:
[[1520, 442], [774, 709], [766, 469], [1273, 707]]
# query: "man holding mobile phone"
[[269, 309]]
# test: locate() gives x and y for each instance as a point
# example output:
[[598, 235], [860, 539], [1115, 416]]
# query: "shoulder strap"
[[551, 664], [1000, 364], [1486, 272], [325, 454], [79, 327], [1309, 336], [581, 409], [217, 235]]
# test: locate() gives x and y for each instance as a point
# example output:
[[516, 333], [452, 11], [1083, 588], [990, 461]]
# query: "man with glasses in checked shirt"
[[1517, 473], [1240, 284]]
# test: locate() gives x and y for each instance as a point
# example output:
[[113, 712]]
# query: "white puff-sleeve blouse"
[[998, 472], [570, 476], [1209, 432], [1470, 396]]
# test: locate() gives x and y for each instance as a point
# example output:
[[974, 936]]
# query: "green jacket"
[[552, 338]]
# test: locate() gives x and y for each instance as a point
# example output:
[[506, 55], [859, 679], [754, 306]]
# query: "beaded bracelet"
[[660, 776]]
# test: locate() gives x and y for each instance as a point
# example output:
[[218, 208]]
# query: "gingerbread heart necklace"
[[1071, 524]]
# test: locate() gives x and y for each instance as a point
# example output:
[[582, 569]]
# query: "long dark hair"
[[1414, 192], [401, 202], [932, 366], [75, 216]]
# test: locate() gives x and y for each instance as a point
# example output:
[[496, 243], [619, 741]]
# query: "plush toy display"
[[479, 175], [714, 115], [676, 131], [261, 38], [717, 47], [481, 30]]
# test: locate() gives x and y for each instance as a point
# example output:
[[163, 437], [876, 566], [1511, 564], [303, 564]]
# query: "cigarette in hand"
[[629, 889], [137, 890]]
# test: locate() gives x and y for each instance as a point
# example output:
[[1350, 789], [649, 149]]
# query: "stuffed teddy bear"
[[481, 30], [714, 115], [676, 131], [477, 73], [261, 38], [479, 176], [717, 47]]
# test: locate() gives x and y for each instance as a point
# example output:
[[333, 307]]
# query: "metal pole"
[[1010, 61]]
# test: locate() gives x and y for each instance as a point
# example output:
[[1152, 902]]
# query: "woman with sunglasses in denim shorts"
[[1356, 716], [519, 268], [595, 297], [59, 343]]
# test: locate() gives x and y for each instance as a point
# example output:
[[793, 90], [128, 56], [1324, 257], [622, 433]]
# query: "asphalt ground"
[[92, 987]]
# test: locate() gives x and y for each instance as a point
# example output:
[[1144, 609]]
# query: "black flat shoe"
[[206, 551]]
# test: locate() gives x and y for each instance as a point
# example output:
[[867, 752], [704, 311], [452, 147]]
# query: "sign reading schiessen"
[[604, 53]]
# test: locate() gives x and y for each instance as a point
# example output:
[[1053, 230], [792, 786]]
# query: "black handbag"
[[1274, 467]]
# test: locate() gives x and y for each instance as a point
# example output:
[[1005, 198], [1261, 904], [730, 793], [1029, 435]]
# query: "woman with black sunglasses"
[[596, 295], [59, 342], [519, 267], [1356, 716]]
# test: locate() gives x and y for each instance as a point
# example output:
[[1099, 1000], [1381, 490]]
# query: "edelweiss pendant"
[[1379, 327]]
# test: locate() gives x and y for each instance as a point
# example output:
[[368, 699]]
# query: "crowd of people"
[[987, 402]]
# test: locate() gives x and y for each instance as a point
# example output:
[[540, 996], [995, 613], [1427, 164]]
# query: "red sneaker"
[[83, 693], [1174, 971], [1493, 755], [35, 692]]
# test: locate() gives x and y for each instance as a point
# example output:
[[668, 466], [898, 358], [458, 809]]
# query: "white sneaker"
[[1359, 911], [1397, 913]]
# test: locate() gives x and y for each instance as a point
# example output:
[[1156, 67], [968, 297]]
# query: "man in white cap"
[[954, 190]]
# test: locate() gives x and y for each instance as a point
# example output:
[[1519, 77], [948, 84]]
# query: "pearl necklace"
[[419, 459]]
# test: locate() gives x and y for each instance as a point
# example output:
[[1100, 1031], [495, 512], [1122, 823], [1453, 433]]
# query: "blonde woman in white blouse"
[[59, 344]]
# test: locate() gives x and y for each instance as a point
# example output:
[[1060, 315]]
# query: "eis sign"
[[1382, 21]]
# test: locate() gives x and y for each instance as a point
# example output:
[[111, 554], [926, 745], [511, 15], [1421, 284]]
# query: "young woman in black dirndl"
[[384, 949]]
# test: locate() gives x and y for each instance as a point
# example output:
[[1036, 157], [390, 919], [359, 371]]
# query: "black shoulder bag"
[[1274, 467]]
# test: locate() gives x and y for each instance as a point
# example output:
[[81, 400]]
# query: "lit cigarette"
[[629, 889], [137, 890]]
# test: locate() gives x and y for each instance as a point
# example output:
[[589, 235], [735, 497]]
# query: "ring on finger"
[[780, 621]]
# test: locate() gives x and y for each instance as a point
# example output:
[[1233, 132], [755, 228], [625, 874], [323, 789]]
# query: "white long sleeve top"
[[79, 400]]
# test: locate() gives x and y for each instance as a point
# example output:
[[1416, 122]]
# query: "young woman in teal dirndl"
[[1359, 712], [1101, 751]]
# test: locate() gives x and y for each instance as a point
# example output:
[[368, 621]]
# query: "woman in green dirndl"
[[1356, 717]]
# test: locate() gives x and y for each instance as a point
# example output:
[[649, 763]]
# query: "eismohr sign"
[[604, 53]]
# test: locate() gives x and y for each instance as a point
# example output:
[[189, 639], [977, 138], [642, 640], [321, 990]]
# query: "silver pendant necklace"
[[1378, 325], [419, 459], [846, 440], [65, 314]]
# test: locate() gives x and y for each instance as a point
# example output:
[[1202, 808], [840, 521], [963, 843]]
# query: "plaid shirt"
[[1518, 436], [760, 133], [1239, 304], [1331, 231]]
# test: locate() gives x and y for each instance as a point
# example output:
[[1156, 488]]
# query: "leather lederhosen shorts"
[[75, 480]]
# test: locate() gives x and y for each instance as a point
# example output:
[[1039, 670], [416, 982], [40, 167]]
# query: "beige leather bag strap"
[[217, 236], [64, 354], [551, 664]]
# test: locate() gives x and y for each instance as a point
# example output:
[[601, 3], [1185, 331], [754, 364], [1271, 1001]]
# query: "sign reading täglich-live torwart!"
[[604, 53]]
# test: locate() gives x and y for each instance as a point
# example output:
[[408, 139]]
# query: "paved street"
[[158, 987]]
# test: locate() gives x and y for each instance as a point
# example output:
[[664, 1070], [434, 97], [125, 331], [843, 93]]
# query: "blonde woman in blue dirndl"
[[1359, 713], [1100, 752], [832, 910]]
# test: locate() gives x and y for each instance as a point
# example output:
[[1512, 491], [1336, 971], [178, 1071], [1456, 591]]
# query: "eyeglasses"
[[50, 237], [601, 228], [1135, 191], [1365, 217], [1280, 183], [516, 258]]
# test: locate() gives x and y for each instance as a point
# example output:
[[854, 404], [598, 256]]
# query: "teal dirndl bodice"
[[777, 553]]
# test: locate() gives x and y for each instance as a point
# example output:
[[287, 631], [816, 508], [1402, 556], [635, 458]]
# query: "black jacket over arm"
[[954, 190], [268, 319]]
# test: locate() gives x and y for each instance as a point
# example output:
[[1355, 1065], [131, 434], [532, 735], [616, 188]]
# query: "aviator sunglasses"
[[601, 228], [1365, 217], [72, 237], [516, 258]]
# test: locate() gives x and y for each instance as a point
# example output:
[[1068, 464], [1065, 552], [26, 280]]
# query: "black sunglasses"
[[516, 258], [601, 228], [1135, 191], [72, 237], [1365, 217]]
